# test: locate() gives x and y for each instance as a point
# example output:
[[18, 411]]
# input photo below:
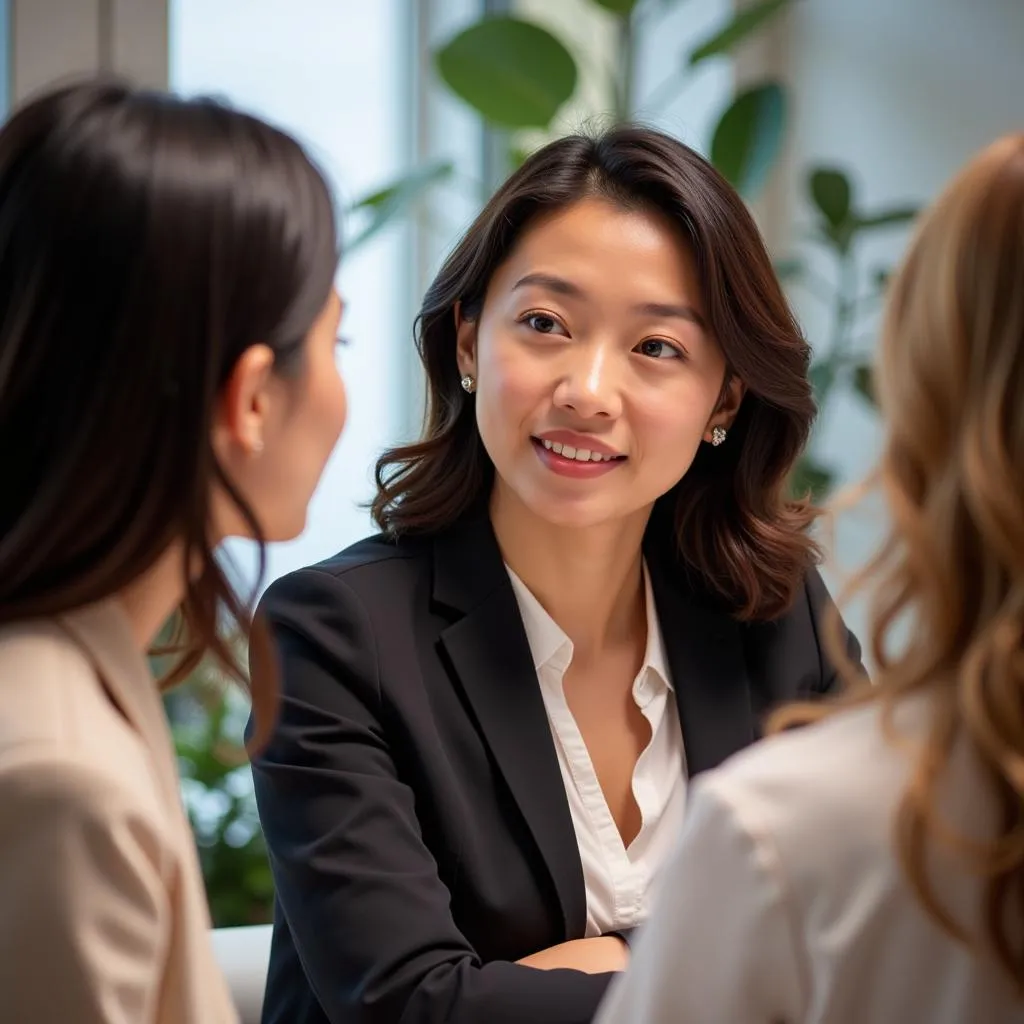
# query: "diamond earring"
[[468, 384], [717, 435]]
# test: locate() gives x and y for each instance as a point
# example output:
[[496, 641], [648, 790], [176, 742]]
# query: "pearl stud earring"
[[718, 436]]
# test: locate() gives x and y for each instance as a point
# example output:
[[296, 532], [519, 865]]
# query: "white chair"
[[243, 955]]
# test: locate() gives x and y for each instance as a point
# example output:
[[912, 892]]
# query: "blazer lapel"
[[490, 656], [104, 632], [705, 654]]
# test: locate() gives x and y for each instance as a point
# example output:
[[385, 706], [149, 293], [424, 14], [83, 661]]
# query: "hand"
[[593, 956]]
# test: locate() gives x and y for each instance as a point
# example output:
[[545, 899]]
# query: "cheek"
[[324, 411], [511, 389], [672, 424], [338, 402]]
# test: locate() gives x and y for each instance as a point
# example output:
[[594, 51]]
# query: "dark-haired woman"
[[588, 587], [167, 379]]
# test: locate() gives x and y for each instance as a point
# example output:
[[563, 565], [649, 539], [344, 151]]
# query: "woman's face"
[[596, 376], [277, 431]]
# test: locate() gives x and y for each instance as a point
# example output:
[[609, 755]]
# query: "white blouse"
[[784, 902], [618, 879]]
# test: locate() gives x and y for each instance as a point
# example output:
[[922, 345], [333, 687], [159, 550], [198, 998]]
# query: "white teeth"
[[578, 454]]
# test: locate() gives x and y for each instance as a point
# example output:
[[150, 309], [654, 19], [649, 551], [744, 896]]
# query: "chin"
[[286, 531], [578, 515]]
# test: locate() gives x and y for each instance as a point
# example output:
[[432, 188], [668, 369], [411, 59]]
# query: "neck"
[[150, 599], [590, 581]]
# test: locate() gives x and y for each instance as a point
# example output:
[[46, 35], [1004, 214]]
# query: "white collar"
[[549, 643]]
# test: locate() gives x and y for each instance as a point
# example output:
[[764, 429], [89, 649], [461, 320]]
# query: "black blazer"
[[418, 828]]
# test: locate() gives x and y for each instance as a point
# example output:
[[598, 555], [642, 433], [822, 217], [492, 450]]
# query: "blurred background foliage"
[[517, 75], [208, 714]]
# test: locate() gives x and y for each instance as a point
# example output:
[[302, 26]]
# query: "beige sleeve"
[[85, 923]]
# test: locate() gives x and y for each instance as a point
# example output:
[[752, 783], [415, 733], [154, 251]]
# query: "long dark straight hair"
[[730, 518], [145, 243]]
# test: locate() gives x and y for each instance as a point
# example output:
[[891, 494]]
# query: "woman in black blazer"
[[588, 587]]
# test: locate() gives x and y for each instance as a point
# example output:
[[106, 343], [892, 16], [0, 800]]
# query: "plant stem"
[[842, 321], [846, 305]]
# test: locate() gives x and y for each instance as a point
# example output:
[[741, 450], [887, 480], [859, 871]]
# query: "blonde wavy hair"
[[951, 382]]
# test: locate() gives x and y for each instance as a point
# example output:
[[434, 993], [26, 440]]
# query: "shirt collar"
[[549, 644]]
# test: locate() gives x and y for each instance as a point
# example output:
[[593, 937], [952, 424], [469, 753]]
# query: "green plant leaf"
[[743, 24], [515, 73], [864, 383], [387, 203], [892, 217], [811, 478], [832, 194], [621, 7], [748, 137]]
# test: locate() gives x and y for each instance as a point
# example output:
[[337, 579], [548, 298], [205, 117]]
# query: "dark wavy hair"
[[729, 518], [145, 243]]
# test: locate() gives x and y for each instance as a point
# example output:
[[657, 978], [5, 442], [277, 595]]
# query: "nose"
[[589, 385]]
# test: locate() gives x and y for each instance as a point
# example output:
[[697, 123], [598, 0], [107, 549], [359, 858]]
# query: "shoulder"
[[795, 649], [54, 707], [821, 797], [370, 565], [83, 793], [37, 660], [57, 806], [801, 622], [809, 603], [377, 551], [337, 612]]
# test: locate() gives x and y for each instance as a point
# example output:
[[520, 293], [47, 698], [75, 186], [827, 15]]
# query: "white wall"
[[901, 94], [331, 72]]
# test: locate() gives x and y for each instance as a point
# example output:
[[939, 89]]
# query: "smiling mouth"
[[577, 454]]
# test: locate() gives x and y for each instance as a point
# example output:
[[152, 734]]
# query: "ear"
[[241, 418], [465, 343], [728, 405]]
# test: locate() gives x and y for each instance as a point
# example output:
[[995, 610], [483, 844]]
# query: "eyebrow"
[[669, 311], [661, 310], [558, 285]]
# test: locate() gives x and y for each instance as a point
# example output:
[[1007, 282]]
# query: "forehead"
[[597, 243]]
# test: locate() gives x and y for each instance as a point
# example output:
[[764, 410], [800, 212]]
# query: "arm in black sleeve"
[[359, 889], [822, 608]]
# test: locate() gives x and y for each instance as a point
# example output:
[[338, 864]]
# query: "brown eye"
[[542, 324], [655, 348]]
